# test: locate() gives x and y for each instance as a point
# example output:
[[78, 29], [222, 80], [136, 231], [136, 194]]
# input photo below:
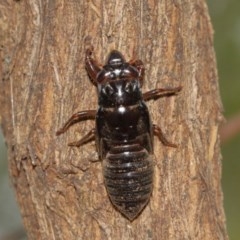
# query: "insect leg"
[[87, 138], [158, 92], [158, 132], [92, 67], [79, 116], [140, 67]]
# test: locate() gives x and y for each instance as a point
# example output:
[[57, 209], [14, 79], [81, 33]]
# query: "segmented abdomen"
[[128, 174]]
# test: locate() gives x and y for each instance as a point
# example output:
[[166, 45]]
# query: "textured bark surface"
[[60, 190]]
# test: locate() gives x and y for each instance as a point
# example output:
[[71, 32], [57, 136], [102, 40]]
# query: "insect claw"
[[74, 144], [59, 132], [89, 51], [178, 89], [171, 145]]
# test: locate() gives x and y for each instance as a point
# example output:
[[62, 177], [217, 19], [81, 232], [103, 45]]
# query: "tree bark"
[[60, 190]]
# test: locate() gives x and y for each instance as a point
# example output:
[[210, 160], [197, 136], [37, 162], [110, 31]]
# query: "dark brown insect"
[[123, 132]]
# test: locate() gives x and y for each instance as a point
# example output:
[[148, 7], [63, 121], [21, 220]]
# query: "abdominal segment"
[[128, 175]]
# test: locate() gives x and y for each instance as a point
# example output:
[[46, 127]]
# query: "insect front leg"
[[77, 117], [92, 67], [140, 67], [158, 132], [158, 92]]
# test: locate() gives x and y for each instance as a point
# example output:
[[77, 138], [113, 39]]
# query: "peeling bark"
[[60, 190]]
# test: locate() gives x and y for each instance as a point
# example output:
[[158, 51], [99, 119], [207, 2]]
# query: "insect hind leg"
[[77, 117], [90, 136], [158, 132]]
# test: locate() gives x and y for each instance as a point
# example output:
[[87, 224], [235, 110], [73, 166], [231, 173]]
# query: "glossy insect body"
[[124, 132], [125, 145]]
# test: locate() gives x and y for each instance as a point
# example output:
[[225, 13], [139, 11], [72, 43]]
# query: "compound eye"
[[108, 90], [130, 86]]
